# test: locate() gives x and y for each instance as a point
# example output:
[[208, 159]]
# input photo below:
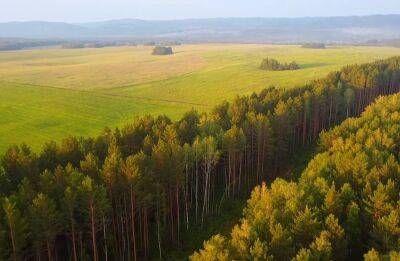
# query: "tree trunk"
[[48, 251], [12, 240], [133, 224], [177, 213], [73, 239], [105, 239], [93, 230]]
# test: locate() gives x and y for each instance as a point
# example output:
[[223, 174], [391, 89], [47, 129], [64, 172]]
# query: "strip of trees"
[[314, 46], [269, 64], [8, 44], [128, 194], [345, 206]]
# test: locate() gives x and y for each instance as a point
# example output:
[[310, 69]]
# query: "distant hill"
[[350, 29]]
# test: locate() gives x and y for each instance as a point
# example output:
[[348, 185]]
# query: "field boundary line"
[[103, 94], [129, 85]]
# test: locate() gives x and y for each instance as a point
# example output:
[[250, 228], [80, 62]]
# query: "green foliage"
[[46, 221], [134, 193], [348, 193], [269, 64], [216, 249], [51, 94], [15, 236]]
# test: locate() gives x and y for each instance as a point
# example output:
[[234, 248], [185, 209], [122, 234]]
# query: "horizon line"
[[200, 18]]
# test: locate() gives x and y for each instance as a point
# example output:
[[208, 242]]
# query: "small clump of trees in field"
[[269, 64], [314, 46], [162, 50]]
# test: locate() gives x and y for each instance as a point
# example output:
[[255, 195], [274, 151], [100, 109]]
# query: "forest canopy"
[[269, 64], [345, 206]]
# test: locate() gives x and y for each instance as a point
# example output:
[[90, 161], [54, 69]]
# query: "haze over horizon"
[[75, 11]]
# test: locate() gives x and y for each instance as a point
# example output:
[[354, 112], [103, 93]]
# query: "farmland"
[[50, 94]]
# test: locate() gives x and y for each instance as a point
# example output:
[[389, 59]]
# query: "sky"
[[98, 10]]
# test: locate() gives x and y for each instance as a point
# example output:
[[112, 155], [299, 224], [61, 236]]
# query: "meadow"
[[50, 94]]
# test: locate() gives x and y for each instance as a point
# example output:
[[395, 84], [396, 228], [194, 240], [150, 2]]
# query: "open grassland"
[[49, 94]]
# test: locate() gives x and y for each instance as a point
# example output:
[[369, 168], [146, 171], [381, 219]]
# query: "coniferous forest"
[[345, 205], [130, 193]]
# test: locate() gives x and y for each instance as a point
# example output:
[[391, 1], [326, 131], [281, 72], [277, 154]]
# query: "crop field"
[[50, 94]]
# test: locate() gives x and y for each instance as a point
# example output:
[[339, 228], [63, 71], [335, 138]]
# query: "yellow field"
[[48, 94]]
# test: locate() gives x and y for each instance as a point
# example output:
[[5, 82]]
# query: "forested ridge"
[[345, 206], [128, 194]]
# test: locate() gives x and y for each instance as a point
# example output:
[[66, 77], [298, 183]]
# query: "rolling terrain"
[[340, 29], [50, 94]]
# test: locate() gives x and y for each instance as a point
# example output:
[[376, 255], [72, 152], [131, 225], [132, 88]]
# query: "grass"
[[34, 114], [50, 94]]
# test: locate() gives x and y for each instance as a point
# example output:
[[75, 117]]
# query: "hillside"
[[50, 94], [132, 192], [351, 29], [343, 207]]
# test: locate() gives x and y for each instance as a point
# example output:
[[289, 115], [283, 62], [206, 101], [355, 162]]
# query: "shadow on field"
[[312, 65]]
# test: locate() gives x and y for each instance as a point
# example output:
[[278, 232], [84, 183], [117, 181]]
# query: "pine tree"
[[47, 222], [16, 233]]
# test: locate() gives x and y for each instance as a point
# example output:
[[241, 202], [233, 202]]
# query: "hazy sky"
[[94, 10]]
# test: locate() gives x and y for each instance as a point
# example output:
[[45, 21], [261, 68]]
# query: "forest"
[[129, 193], [345, 205]]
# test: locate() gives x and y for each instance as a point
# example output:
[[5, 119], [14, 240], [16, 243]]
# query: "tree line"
[[345, 205], [10, 44], [314, 46], [128, 194]]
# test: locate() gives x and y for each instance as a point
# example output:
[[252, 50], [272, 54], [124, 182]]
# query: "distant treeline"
[[129, 194], [170, 43], [269, 64], [96, 44], [101, 44], [314, 45], [8, 44], [19, 44], [164, 43]]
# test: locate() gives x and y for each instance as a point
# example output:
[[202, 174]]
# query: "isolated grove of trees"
[[269, 64], [161, 50], [345, 206], [128, 194]]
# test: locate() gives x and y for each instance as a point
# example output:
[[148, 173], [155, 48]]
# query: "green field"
[[50, 94]]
